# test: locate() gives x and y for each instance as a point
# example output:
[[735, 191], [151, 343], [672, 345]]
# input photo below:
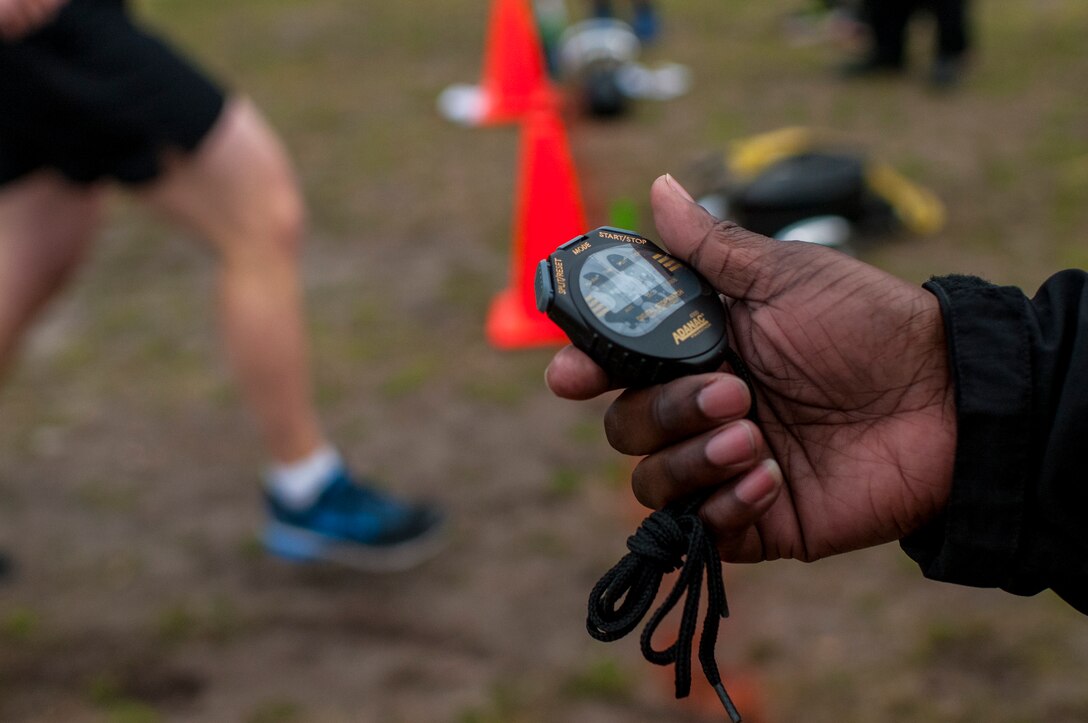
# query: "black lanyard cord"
[[670, 539]]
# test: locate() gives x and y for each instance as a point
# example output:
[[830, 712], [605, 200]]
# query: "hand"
[[19, 18], [854, 398]]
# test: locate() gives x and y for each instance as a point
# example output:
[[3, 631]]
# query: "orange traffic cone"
[[548, 212], [514, 69]]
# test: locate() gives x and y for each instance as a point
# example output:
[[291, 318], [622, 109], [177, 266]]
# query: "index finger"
[[573, 375], [642, 421]]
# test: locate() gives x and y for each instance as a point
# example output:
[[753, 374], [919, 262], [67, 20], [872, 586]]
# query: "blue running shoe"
[[355, 525]]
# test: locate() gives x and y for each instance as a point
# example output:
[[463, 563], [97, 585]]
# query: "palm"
[[843, 406]]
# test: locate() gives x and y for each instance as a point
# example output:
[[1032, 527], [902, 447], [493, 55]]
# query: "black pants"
[[889, 20]]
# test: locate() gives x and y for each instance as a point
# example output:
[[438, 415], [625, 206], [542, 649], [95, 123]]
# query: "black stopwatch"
[[646, 318], [642, 315]]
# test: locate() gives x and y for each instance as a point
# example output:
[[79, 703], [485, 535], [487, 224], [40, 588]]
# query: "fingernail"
[[760, 483], [724, 398], [732, 445], [675, 185]]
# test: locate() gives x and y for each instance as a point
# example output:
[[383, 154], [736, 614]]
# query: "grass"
[[604, 679], [20, 625], [505, 705], [108, 496], [276, 711], [106, 692], [409, 242], [565, 482]]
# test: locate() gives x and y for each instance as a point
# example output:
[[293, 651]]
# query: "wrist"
[[941, 391], [974, 538]]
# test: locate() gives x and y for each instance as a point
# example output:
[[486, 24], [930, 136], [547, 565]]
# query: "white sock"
[[299, 484]]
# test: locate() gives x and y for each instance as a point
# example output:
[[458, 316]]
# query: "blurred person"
[[889, 22], [644, 19], [88, 100], [950, 417]]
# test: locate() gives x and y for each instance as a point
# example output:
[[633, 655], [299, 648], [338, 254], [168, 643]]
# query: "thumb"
[[737, 262]]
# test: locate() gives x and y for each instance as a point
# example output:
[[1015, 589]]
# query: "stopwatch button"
[[573, 241], [545, 291]]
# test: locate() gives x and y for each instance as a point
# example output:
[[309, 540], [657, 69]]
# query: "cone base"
[[478, 106], [510, 326]]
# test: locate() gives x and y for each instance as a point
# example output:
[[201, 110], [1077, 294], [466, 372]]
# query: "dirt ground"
[[128, 468]]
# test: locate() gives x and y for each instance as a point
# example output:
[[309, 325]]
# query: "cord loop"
[[667, 540]]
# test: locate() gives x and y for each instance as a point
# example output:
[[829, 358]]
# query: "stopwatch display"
[[641, 314]]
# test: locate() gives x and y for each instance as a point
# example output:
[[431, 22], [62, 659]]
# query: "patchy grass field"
[[128, 469]]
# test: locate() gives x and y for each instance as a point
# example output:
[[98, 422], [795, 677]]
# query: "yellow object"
[[748, 156], [918, 209]]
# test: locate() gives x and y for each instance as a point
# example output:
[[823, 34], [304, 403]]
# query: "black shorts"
[[93, 96]]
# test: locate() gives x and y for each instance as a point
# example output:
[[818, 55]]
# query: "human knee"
[[268, 230], [281, 225], [239, 189], [278, 214]]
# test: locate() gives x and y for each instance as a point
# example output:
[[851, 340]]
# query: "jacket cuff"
[[975, 539]]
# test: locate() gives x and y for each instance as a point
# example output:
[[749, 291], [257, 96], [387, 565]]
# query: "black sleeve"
[[1017, 517]]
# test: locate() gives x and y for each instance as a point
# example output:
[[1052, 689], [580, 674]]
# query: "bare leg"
[[46, 227], [239, 192]]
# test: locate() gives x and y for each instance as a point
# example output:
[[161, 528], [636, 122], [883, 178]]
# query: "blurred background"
[[128, 468]]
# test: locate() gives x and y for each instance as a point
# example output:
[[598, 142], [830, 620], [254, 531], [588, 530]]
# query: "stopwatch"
[[642, 315]]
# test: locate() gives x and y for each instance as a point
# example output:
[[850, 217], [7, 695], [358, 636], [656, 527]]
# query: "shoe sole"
[[302, 545]]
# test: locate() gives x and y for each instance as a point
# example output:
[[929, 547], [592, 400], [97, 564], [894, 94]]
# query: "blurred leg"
[[238, 191], [601, 8], [644, 21], [46, 227], [889, 19], [952, 42], [952, 33]]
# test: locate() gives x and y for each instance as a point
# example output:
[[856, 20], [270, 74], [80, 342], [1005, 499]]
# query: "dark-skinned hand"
[[856, 419]]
